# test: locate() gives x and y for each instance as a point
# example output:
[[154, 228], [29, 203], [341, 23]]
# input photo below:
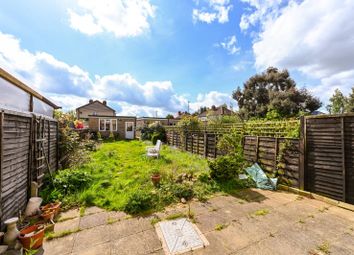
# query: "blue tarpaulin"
[[261, 179]]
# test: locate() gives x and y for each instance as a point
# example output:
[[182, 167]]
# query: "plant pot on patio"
[[32, 237], [48, 215], [52, 206], [156, 178]]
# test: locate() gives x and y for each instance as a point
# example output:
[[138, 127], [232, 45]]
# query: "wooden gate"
[[330, 156]]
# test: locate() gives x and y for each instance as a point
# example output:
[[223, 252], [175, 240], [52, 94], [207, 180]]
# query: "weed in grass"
[[65, 219], [261, 212], [213, 209], [324, 247], [311, 216], [219, 227]]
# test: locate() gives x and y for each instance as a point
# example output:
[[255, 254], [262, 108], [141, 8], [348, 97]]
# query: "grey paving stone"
[[59, 246], [94, 220], [92, 237], [67, 225]]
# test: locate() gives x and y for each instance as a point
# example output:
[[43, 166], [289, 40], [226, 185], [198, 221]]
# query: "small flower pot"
[[155, 178], [48, 214], [52, 206], [32, 237]]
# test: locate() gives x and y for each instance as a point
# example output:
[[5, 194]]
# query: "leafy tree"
[[276, 91], [350, 102], [337, 103]]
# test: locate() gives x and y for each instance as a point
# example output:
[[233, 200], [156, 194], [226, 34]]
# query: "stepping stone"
[[179, 236]]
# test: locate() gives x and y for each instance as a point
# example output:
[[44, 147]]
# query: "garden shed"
[[28, 143]]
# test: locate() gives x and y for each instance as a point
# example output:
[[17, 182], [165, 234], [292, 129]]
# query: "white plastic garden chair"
[[154, 151]]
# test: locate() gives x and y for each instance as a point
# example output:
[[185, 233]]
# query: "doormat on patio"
[[179, 236]]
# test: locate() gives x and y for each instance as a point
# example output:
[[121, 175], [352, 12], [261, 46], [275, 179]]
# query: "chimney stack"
[[104, 102], [91, 101]]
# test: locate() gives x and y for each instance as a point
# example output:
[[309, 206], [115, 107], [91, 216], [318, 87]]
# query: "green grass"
[[121, 168], [119, 175], [219, 227]]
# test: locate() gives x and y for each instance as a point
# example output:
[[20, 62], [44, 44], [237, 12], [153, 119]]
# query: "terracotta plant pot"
[[48, 214], [155, 178], [52, 206], [32, 237]]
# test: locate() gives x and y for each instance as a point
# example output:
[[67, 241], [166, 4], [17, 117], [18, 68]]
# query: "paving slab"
[[208, 222], [125, 228], [70, 214], [59, 246], [100, 249], [130, 245], [92, 237], [94, 220], [92, 210], [67, 225]]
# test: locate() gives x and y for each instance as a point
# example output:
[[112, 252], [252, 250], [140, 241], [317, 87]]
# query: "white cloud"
[[216, 10], [315, 39], [70, 86], [121, 17], [230, 45], [242, 65], [260, 11], [212, 98]]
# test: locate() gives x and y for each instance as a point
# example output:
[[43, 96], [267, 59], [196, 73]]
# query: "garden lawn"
[[121, 168]]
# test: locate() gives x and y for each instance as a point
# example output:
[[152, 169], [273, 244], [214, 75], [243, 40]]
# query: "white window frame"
[[105, 124]]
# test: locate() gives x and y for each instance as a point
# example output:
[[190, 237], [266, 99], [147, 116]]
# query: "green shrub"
[[140, 201], [154, 129], [69, 181], [225, 167], [157, 136], [111, 137]]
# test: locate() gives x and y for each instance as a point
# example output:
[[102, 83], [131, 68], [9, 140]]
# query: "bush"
[[155, 129], [111, 137], [70, 181], [140, 201], [225, 167]]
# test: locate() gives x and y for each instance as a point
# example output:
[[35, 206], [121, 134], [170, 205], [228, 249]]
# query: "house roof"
[[151, 118], [112, 117], [96, 101], [13, 80]]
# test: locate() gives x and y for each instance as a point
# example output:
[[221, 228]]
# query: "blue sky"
[[145, 56]]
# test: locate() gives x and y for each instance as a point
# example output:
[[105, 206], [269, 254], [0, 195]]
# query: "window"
[[107, 125]]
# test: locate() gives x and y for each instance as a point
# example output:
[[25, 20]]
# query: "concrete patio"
[[254, 222]]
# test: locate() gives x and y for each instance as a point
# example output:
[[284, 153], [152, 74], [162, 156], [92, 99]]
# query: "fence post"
[[276, 153], [302, 150], [185, 140], [257, 146], [343, 157], [1, 160], [205, 144]]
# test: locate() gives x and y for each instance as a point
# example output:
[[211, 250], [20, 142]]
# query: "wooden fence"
[[18, 158], [330, 156], [277, 156]]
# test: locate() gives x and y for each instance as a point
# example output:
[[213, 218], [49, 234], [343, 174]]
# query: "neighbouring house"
[[99, 117], [214, 111], [28, 143]]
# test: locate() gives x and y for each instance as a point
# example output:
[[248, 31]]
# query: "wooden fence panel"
[[324, 156], [17, 157]]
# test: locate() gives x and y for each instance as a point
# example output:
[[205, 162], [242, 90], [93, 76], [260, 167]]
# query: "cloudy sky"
[[148, 56]]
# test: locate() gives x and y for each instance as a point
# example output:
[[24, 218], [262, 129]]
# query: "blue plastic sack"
[[260, 178]]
